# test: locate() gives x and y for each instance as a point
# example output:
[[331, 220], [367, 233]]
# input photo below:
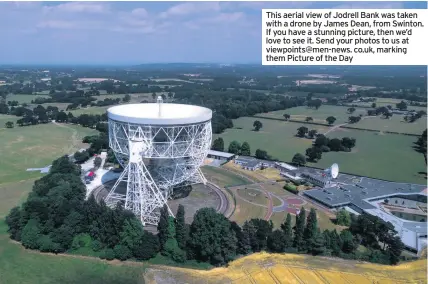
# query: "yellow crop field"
[[295, 269]]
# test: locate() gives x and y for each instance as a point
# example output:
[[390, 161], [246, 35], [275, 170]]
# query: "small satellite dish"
[[334, 170]]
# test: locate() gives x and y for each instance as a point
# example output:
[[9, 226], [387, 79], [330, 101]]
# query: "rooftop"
[[343, 194], [220, 154]]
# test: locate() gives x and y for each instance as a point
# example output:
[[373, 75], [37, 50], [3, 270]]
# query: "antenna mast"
[[160, 102]]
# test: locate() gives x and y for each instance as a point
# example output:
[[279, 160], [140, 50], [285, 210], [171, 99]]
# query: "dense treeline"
[[56, 218]]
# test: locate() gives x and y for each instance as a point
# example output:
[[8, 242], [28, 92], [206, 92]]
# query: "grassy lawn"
[[385, 156], [395, 123], [389, 101], [319, 115], [36, 146], [5, 118], [13, 194], [90, 110], [18, 265], [24, 98], [276, 137], [245, 211], [222, 177]]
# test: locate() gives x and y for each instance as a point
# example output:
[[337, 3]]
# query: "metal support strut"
[[143, 197]]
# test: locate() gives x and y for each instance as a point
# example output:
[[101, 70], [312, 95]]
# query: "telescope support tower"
[[143, 196]]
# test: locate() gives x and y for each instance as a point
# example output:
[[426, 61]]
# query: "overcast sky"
[[142, 32]]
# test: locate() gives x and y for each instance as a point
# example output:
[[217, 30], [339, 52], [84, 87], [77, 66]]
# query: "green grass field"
[[90, 110], [5, 118], [385, 156], [222, 177], [24, 98], [276, 137], [18, 265], [35, 147], [389, 101], [319, 115], [396, 123]]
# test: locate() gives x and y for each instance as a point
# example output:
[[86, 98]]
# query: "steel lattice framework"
[[156, 158]]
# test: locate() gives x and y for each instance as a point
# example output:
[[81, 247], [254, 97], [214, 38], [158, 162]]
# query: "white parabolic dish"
[[334, 170], [159, 114]]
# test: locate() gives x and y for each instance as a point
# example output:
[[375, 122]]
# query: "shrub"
[[122, 252], [80, 241], [291, 188], [296, 182], [107, 253], [96, 245]]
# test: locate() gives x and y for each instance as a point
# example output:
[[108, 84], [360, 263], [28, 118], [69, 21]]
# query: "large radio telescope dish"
[[334, 170], [159, 146]]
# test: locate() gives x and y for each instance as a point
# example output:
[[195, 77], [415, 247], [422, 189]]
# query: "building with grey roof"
[[373, 197], [252, 164]]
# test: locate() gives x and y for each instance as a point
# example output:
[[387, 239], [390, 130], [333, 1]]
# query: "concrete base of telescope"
[[201, 196]]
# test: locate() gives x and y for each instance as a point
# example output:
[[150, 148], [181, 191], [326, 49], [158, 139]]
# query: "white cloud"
[[140, 12], [79, 7], [55, 24], [191, 8]]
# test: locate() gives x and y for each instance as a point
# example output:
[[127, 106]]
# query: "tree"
[[276, 241], [234, 147], [13, 220], [421, 145], [394, 249], [261, 154], [308, 119], [343, 218], [401, 105], [348, 142], [312, 133], [97, 162], [212, 238], [330, 120], [355, 119], [314, 154], [299, 228], [126, 98], [311, 229], [9, 124], [218, 144], [122, 252], [131, 235], [148, 248], [321, 140], [163, 226], [288, 233], [154, 96], [247, 238], [335, 144], [257, 125], [245, 149], [299, 159], [317, 245], [348, 245], [373, 105], [351, 110], [181, 233], [286, 116], [171, 248], [31, 234], [81, 157], [301, 131]]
